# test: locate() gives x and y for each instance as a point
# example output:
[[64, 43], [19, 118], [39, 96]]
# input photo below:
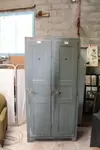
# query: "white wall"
[[90, 22]]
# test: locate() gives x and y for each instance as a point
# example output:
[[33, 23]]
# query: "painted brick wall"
[[62, 21], [90, 22]]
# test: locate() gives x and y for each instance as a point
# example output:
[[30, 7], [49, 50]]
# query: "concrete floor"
[[81, 144]]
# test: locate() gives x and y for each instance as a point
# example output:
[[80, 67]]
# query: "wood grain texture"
[[18, 9], [17, 60]]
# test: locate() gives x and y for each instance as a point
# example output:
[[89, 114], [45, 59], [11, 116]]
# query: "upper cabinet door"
[[38, 87], [65, 57]]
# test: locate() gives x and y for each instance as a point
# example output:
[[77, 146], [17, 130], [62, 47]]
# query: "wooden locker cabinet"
[[51, 67]]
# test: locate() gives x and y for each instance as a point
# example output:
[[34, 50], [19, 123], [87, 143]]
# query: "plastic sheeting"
[[7, 89], [21, 103]]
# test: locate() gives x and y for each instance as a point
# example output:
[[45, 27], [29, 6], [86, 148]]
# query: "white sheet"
[[7, 89], [21, 100]]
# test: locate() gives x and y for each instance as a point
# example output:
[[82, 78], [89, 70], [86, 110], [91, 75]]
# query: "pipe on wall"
[[79, 18]]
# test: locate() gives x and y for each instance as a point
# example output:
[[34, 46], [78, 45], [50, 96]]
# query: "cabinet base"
[[74, 139]]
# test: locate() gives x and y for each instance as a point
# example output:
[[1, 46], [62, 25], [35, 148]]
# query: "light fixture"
[[73, 1]]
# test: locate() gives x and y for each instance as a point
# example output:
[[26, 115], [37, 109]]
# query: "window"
[[14, 27]]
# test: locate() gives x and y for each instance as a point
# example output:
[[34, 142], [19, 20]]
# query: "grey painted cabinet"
[[51, 88], [81, 83]]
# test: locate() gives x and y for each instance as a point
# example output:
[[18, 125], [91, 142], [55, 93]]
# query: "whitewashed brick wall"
[[90, 22], [62, 21]]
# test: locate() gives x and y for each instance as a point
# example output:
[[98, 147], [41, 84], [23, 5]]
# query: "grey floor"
[[19, 135]]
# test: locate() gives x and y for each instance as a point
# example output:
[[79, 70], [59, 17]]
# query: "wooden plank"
[[17, 9], [17, 60]]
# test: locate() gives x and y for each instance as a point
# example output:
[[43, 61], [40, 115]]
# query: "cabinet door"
[[81, 81], [38, 87], [65, 56]]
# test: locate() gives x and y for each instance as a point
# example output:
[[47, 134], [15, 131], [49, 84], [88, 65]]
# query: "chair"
[[3, 119]]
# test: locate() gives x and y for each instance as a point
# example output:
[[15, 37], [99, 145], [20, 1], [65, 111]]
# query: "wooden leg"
[[2, 143]]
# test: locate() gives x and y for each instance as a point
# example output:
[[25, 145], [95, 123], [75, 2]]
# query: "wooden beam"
[[17, 9]]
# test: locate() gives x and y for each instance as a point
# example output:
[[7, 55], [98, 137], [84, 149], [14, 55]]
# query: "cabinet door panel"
[[65, 86], [38, 87]]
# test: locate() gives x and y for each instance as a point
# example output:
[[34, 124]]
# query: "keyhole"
[[65, 58], [59, 93], [38, 58]]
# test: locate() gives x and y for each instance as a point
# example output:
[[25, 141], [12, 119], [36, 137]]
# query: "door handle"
[[33, 92], [30, 91], [54, 92], [58, 93]]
